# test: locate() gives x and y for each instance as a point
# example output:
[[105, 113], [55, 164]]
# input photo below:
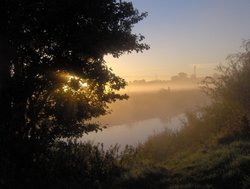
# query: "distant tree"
[[230, 93], [180, 77], [142, 81], [53, 77], [231, 85]]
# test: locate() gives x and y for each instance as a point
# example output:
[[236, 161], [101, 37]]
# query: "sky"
[[184, 33]]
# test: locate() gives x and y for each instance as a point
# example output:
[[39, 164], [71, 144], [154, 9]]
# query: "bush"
[[71, 165]]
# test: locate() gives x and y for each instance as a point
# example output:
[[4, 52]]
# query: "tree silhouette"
[[230, 86], [53, 77], [230, 94]]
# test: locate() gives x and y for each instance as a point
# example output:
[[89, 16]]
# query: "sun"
[[72, 83]]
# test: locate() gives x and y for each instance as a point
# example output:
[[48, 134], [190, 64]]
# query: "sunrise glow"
[[183, 33], [72, 83]]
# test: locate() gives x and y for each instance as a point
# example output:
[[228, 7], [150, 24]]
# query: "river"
[[134, 133]]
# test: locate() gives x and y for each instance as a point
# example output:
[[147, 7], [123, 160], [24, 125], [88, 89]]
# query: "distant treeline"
[[180, 77]]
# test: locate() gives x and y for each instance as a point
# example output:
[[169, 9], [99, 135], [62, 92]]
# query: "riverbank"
[[145, 114], [134, 133]]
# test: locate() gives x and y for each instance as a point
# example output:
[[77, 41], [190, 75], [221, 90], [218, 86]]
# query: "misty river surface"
[[134, 133]]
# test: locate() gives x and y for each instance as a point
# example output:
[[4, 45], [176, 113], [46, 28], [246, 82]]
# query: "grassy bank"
[[196, 157]]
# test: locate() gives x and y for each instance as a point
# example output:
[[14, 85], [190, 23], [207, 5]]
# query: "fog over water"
[[136, 132], [151, 108]]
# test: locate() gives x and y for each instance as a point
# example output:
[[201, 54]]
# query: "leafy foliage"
[[46, 39], [53, 76], [70, 165], [231, 85]]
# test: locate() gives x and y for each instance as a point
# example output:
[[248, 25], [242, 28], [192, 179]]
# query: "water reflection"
[[134, 133]]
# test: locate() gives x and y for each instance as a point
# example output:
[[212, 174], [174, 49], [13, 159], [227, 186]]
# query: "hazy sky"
[[182, 33]]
